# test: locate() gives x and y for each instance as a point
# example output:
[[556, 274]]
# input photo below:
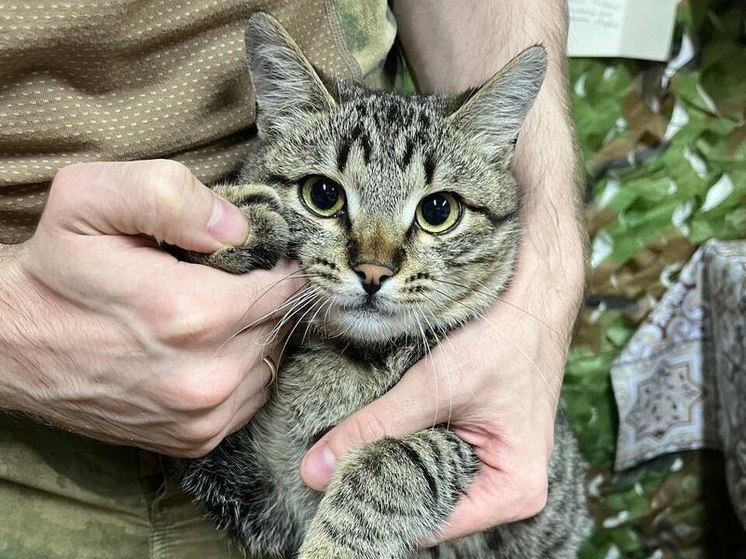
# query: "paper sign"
[[621, 28]]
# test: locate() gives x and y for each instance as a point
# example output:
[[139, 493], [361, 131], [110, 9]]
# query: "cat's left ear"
[[285, 84], [494, 114]]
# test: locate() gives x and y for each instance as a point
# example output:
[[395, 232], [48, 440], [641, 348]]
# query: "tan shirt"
[[127, 79]]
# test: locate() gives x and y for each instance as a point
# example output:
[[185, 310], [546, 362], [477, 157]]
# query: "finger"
[[258, 371], [424, 397], [245, 412], [272, 295], [159, 198], [242, 302], [172, 445]]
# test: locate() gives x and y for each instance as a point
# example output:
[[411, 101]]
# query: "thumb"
[[411, 406], [159, 198]]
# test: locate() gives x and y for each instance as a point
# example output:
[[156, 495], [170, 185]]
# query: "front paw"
[[266, 244]]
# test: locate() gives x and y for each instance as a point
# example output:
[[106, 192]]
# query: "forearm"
[[452, 46]]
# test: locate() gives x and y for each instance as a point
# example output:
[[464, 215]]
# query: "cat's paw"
[[268, 235], [266, 244]]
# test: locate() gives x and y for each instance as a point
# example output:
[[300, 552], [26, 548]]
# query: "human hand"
[[496, 383], [106, 335]]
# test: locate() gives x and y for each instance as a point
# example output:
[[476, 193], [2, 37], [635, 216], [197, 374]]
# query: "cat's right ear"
[[495, 112], [286, 86]]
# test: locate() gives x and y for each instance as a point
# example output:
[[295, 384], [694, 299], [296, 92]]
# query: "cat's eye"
[[438, 213], [323, 196]]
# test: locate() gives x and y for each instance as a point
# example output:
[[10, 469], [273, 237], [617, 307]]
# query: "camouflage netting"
[[665, 152]]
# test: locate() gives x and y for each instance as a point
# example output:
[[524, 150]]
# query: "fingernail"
[[319, 467], [227, 224]]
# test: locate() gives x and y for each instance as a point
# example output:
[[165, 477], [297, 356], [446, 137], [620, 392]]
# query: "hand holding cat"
[[496, 382], [109, 336]]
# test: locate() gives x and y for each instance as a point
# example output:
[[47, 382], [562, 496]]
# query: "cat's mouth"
[[374, 306], [369, 319]]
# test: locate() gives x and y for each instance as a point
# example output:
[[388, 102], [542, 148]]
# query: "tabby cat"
[[403, 213]]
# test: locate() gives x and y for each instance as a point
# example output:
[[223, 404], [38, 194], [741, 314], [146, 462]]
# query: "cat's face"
[[403, 209]]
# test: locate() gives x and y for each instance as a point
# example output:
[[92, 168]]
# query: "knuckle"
[[178, 322], [535, 494], [68, 175], [201, 393], [166, 188], [67, 180], [200, 449], [202, 434], [366, 428], [170, 186]]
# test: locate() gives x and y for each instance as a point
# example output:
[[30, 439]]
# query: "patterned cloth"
[[725, 287], [680, 383]]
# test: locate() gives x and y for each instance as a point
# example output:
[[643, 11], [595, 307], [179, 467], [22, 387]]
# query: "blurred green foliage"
[[665, 155]]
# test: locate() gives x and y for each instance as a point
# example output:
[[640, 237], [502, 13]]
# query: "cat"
[[404, 214]]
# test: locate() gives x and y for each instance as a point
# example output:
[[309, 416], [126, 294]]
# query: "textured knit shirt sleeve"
[[127, 79]]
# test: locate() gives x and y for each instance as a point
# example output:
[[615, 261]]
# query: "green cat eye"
[[438, 213], [323, 196]]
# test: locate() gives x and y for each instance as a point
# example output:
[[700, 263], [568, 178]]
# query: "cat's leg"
[[555, 533], [268, 237], [389, 495], [237, 489]]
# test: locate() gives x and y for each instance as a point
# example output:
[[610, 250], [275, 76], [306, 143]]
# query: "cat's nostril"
[[372, 276], [371, 288]]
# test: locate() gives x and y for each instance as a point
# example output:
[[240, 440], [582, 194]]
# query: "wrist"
[[10, 330], [20, 325]]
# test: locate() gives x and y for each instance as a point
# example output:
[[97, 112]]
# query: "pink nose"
[[372, 276]]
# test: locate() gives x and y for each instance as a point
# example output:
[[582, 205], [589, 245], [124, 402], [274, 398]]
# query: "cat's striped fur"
[[387, 152]]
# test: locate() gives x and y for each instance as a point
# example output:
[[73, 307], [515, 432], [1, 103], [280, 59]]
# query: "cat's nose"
[[372, 276]]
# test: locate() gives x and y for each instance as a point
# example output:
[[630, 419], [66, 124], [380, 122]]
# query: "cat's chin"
[[369, 326]]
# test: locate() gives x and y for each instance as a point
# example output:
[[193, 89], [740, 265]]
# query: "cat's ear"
[[494, 113], [285, 85]]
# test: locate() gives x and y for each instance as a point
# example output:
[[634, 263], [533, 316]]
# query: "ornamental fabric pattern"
[[725, 285], [659, 379], [680, 383]]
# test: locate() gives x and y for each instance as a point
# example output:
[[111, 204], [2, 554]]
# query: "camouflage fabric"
[[639, 138], [665, 151], [64, 496]]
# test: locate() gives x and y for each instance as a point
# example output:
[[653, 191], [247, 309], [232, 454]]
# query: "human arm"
[[497, 381], [104, 334]]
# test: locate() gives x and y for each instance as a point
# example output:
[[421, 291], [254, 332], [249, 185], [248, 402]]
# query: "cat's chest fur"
[[317, 388], [322, 384]]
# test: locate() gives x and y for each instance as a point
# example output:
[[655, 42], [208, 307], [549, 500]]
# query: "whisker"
[[295, 327], [429, 355], [543, 376], [310, 320], [499, 299], [447, 367], [289, 315], [286, 277], [287, 302], [277, 329], [293, 299]]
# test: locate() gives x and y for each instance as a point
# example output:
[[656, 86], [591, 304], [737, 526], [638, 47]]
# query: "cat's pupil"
[[435, 209], [324, 194]]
